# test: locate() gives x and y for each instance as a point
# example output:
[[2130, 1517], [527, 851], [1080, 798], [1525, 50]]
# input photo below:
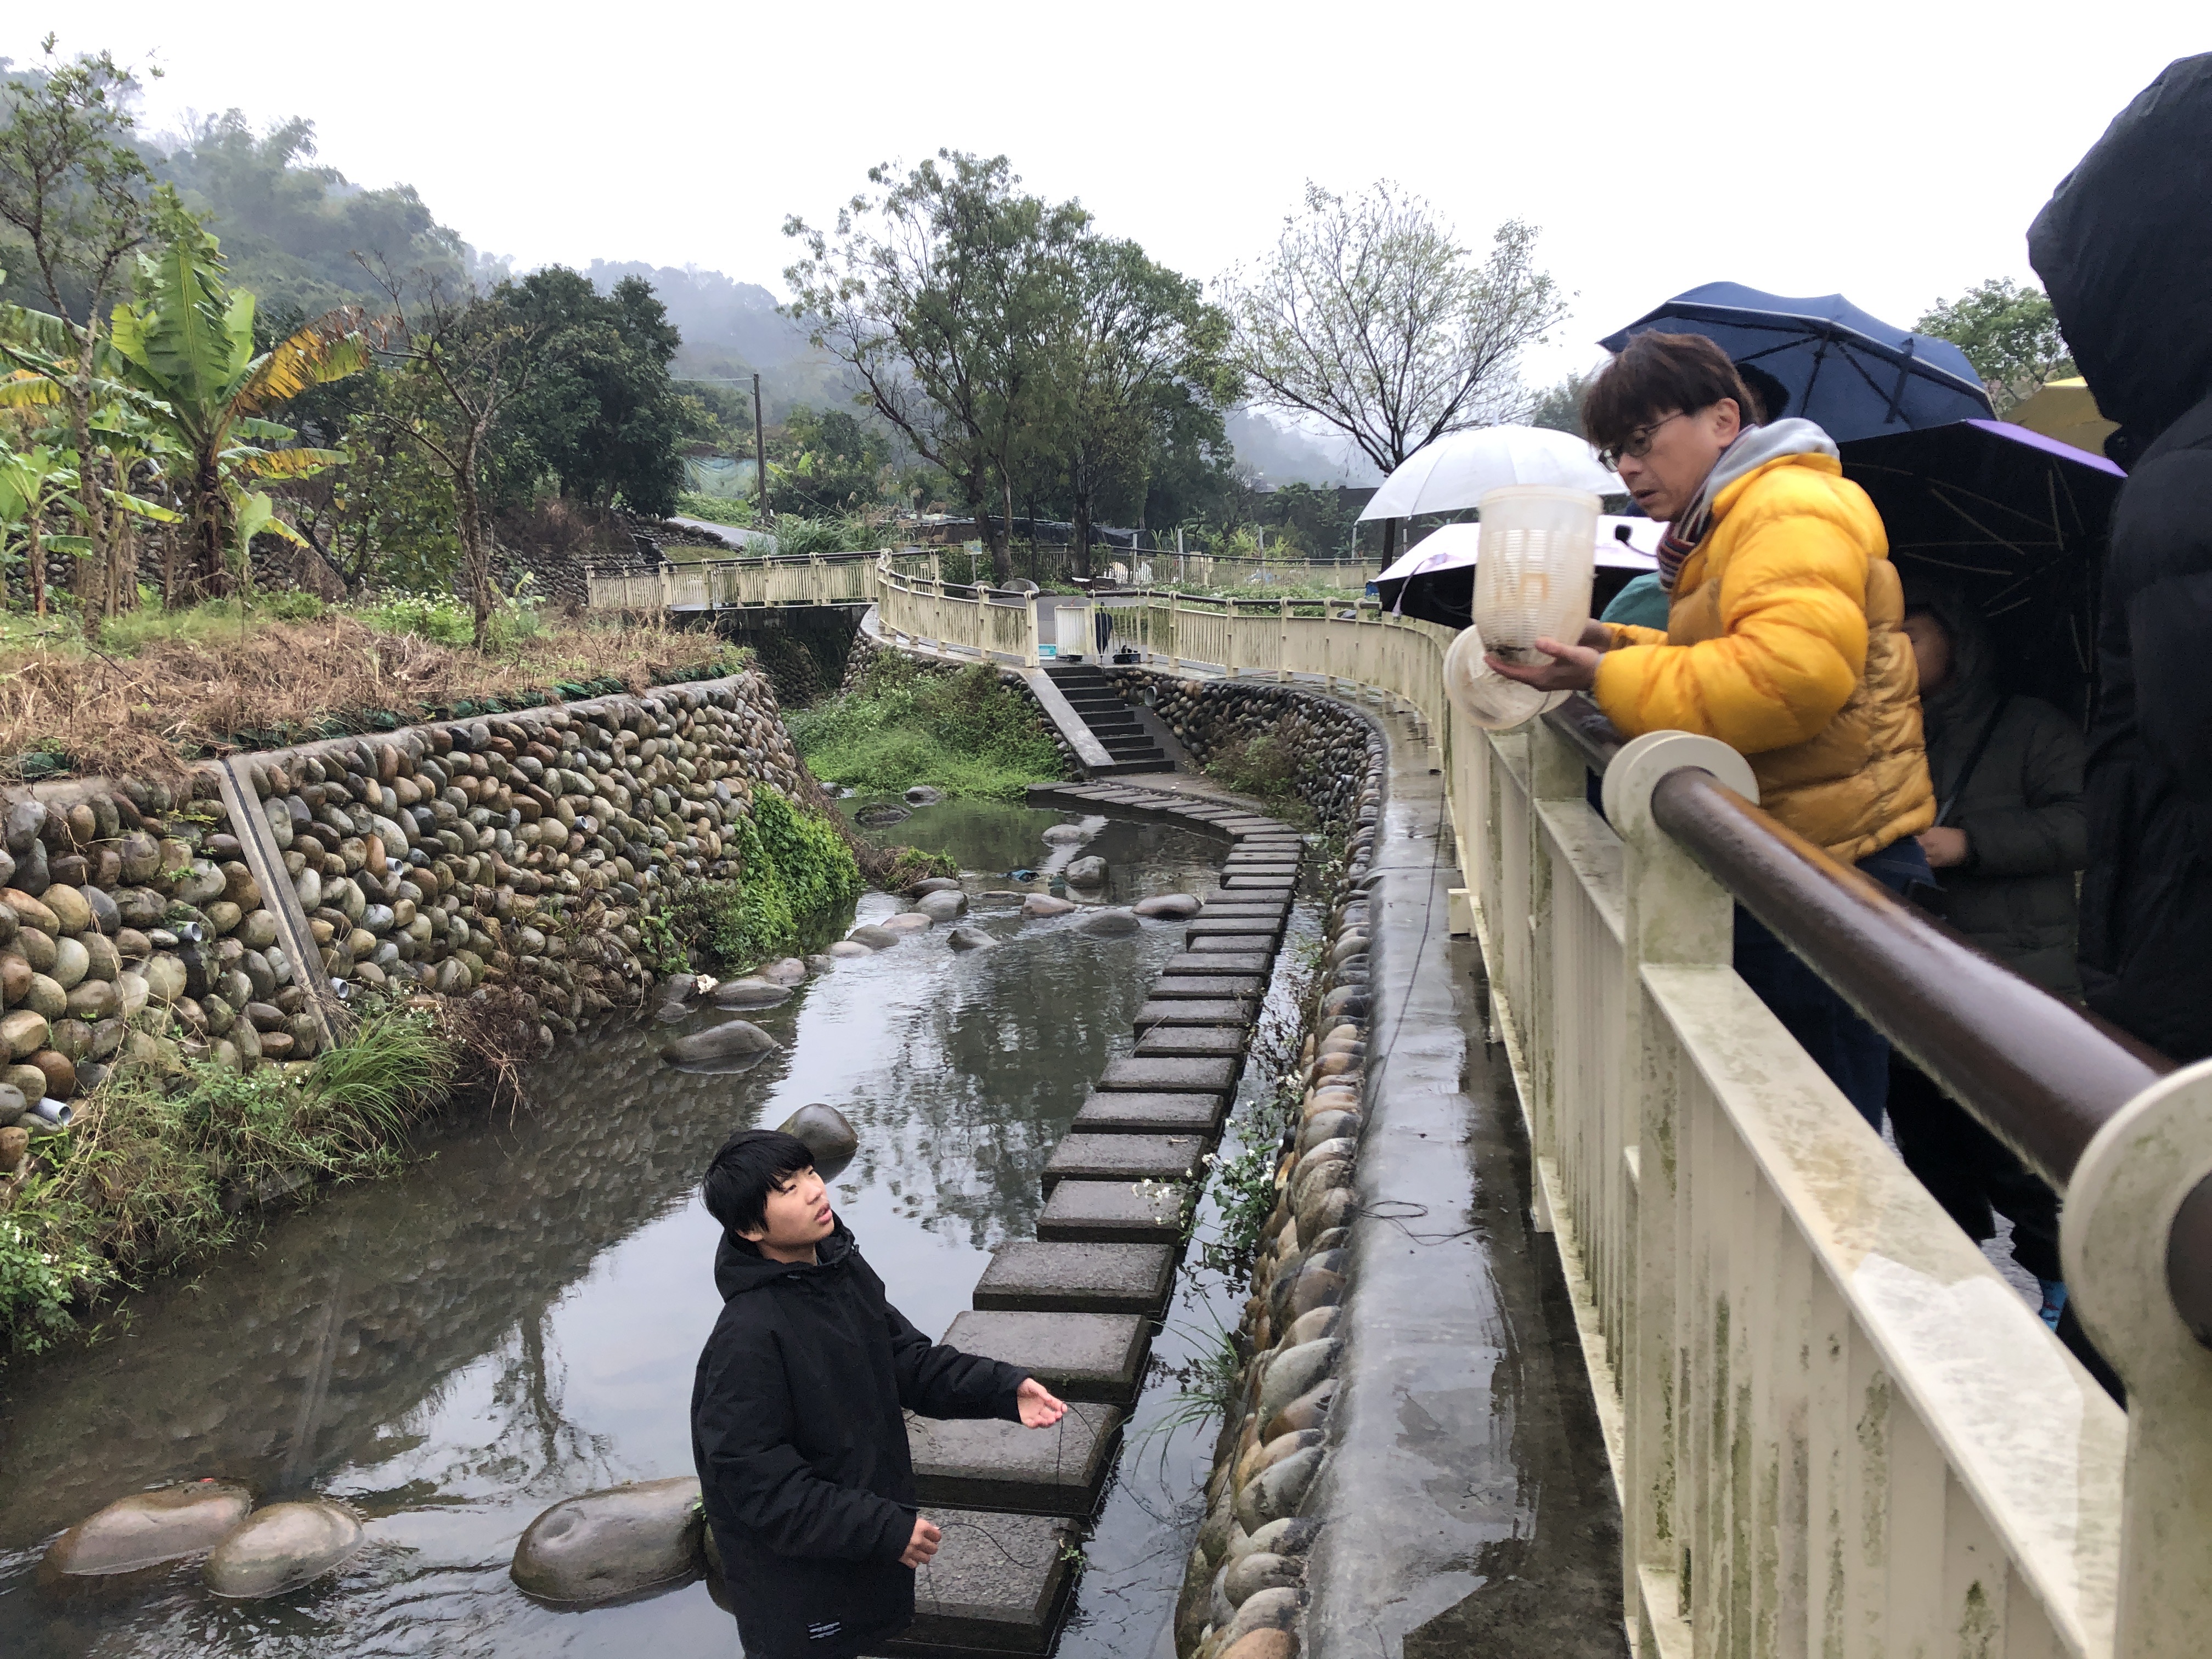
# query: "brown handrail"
[[1584, 723], [2038, 1073]]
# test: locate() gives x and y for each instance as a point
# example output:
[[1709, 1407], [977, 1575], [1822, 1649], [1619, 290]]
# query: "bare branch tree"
[[1370, 315]]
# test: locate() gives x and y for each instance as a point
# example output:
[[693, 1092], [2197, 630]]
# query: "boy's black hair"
[[751, 1165]]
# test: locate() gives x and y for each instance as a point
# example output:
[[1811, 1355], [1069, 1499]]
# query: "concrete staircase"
[[1110, 720]]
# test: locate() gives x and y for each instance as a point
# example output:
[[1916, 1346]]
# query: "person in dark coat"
[[2124, 248], [796, 1414], [2009, 834]]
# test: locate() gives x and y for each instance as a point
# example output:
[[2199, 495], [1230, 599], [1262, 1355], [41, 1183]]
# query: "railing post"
[[1031, 658], [1175, 627], [1283, 653], [2119, 1223], [1229, 637], [1674, 913]]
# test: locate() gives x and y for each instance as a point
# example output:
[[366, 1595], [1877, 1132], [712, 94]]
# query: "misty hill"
[[731, 330]]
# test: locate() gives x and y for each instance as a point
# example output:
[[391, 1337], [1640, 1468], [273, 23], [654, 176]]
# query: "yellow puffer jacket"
[[1783, 640]]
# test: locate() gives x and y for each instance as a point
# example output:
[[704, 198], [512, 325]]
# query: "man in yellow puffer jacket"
[[1783, 640]]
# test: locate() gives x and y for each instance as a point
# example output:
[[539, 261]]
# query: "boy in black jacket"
[[795, 1415]]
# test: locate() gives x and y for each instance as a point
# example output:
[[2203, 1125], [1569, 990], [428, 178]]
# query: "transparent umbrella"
[[1456, 470]]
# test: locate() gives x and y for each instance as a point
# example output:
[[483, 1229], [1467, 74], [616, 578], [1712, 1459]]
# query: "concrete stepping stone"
[[1225, 1011], [1112, 1213], [990, 1465], [1206, 1077], [1078, 1356], [1263, 928], [1187, 1041], [1123, 1158], [1180, 987], [1257, 884], [1133, 1113], [1034, 1276], [1233, 873], [1255, 962], [1232, 907], [1231, 944], [998, 1583]]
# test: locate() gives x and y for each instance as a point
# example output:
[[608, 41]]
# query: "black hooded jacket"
[[2019, 805], [2126, 249], [797, 1431]]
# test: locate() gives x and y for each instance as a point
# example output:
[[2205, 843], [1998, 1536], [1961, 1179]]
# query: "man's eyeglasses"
[[1638, 444]]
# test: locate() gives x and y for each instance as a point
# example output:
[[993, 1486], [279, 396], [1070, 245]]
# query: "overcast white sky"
[[1895, 152]]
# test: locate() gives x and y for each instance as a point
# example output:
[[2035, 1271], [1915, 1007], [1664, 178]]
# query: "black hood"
[[738, 1267], [1970, 692], [2124, 248]]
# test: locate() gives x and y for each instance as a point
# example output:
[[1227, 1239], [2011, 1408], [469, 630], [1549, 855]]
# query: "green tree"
[[1131, 343], [458, 358], [1371, 314], [827, 461], [942, 290], [600, 412], [1559, 405], [2010, 333], [76, 202]]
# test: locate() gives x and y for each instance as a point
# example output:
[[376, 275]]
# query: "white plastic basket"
[[1532, 567]]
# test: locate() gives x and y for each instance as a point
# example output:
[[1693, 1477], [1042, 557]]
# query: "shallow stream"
[[515, 1319]]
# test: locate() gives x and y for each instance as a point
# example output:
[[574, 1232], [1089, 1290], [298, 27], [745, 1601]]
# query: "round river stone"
[[828, 1135], [1109, 924], [750, 993], [608, 1545], [725, 1041], [149, 1527], [281, 1548], [1167, 904]]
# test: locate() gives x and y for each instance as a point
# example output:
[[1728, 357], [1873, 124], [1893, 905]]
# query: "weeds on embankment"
[[966, 732], [154, 1171], [163, 687]]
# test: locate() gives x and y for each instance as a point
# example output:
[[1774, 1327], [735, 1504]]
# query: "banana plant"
[[185, 345], [32, 481]]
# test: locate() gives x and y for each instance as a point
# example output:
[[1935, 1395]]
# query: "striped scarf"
[[1681, 538]]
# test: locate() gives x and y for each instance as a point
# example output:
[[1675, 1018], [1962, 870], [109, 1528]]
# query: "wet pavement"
[[515, 1319], [1467, 1504]]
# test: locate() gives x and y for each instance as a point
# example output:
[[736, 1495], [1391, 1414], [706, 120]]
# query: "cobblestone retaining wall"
[[1243, 1595]]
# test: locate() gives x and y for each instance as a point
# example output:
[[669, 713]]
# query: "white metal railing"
[[1835, 1429], [712, 584], [980, 622]]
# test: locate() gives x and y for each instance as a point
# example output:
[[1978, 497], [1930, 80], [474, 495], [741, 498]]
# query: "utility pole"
[[760, 455]]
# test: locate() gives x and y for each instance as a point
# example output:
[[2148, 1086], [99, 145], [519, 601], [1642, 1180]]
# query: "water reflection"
[[517, 1318]]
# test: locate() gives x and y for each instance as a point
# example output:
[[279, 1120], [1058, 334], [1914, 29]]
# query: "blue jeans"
[[1852, 1053]]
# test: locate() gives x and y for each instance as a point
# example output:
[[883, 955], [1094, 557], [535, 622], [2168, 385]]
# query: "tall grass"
[[154, 1170], [967, 733]]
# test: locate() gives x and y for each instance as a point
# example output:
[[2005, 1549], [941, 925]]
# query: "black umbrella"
[[2014, 521]]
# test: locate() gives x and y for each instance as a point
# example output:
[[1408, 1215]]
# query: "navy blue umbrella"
[[1824, 360]]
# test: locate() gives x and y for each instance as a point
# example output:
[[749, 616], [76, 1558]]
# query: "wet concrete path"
[[1469, 1507]]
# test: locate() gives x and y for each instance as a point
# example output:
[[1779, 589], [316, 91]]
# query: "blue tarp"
[[1824, 360]]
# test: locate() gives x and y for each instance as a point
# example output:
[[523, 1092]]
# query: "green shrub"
[[967, 733], [42, 1268], [796, 872]]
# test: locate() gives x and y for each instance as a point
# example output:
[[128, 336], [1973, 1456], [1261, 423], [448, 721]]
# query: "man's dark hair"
[[1656, 374], [751, 1165]]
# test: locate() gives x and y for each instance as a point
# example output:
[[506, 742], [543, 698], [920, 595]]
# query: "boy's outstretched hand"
[[923, 1544], [1039, 1408]]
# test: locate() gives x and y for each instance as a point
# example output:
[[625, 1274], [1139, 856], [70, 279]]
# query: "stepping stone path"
[[1077, 1304]]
